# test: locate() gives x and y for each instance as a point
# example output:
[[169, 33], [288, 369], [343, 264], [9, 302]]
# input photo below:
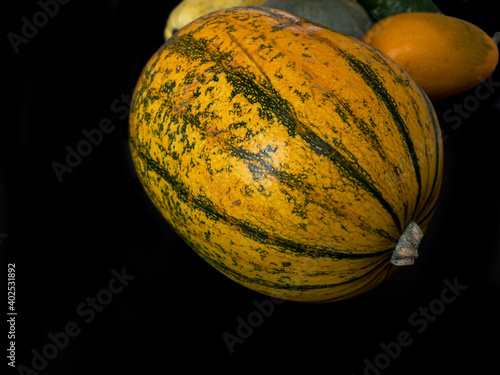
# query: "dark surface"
[[66, 237]]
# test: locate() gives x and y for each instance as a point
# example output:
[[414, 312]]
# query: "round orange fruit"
[[444, 55]]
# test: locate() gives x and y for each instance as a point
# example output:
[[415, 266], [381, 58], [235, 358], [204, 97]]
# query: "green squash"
[[344, 16], [379, 9]]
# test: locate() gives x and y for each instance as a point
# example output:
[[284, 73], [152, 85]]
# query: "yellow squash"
[[299, 162]]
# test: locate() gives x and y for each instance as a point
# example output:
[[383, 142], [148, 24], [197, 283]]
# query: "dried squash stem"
[[406, 250]]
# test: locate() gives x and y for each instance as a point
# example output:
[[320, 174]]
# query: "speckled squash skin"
[[290, 157]]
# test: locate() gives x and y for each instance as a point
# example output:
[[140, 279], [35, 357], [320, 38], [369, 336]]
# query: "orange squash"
[[299, 162], [444, 55]]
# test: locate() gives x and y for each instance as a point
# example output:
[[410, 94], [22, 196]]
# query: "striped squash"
[[299, 162]]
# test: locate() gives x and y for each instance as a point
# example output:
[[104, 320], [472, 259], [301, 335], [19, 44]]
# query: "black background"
[[66, 237]]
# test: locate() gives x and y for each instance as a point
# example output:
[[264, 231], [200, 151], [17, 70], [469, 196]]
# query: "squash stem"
[[406, 250], [496, 37]]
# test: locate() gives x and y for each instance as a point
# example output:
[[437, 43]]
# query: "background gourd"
[[189, 10], [344, 16], [444, 55], [379, 9]]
